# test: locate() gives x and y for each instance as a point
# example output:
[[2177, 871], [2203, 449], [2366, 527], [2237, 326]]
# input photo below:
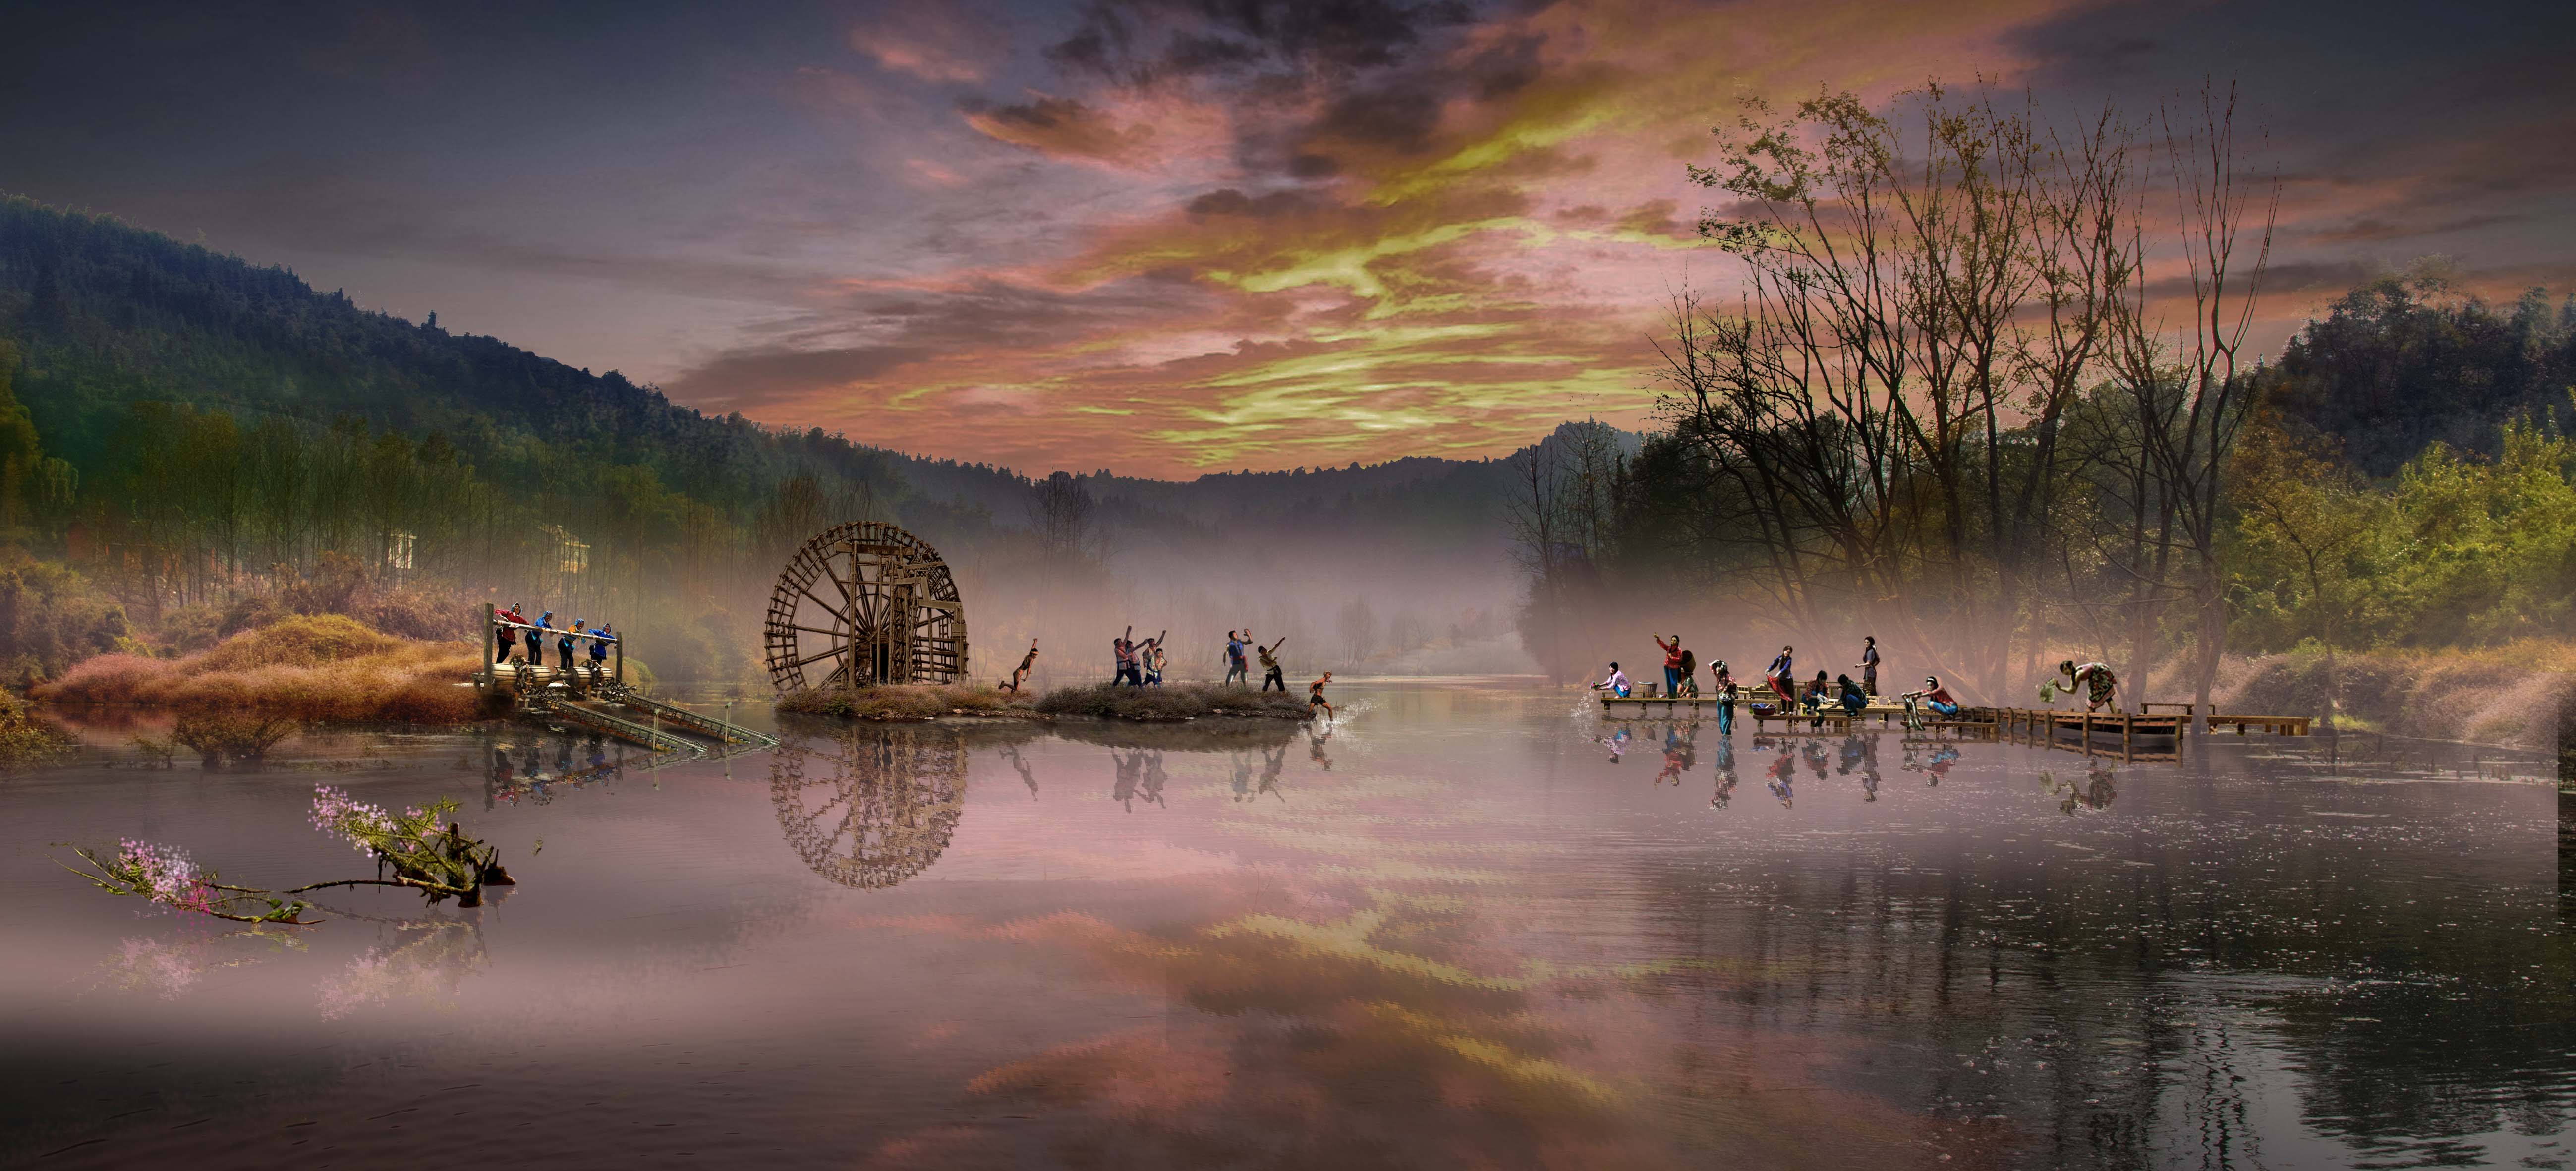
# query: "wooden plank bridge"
[[595, 696], [2155, 732]]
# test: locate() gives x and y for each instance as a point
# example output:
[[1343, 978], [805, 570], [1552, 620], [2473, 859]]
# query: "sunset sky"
[[1173, 236]]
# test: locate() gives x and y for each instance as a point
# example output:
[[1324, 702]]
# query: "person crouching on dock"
[[1616, 683], [1936, 697]]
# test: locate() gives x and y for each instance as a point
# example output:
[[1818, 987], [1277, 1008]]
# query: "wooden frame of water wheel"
[[865, 603]]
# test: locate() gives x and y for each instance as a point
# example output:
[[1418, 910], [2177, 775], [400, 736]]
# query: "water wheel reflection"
[[869, 808]]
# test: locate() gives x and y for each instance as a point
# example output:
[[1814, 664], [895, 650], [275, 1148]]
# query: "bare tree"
[[1065, 515]]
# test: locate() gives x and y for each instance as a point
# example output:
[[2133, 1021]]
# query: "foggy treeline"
[[1983, 387]]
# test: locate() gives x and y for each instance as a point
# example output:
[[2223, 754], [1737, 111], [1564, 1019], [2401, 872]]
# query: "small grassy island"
[[1178, 701]]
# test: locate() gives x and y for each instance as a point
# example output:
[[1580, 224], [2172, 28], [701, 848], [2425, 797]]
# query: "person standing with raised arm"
[[1270, 665], [1672, 663], [1236, 670], [1022, 674]]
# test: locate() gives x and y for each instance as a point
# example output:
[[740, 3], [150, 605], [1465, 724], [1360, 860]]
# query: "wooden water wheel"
[[865, 603], [869, 809]]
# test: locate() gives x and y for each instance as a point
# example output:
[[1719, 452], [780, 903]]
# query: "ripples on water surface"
[[1455, 932]]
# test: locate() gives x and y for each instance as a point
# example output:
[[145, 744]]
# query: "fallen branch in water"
[[411, 849]]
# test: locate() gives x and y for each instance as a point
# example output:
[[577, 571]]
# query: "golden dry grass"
[[323, 668]]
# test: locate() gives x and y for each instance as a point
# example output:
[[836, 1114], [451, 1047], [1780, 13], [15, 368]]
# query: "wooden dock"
[[2155, 732]]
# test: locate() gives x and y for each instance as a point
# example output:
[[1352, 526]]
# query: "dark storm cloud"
[[1141, 42]]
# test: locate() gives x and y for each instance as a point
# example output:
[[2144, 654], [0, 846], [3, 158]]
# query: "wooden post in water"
[[2128, 733], [489, 645], [2088, 731], [2566, 803], [618, 648]]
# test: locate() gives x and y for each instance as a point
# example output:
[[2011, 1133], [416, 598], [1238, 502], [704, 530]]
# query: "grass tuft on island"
[[322, 668], [905, 701], [1177, 701]]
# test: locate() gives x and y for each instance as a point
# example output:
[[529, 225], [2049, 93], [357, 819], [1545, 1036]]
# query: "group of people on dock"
[[1819, 696], [511, 627]]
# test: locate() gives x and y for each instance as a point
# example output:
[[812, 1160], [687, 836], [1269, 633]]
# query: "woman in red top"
[[1672, 663]]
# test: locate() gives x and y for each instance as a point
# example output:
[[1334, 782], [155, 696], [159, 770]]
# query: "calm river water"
[[1469, 927]]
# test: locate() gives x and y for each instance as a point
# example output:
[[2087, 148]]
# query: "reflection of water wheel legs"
[[864, 603], [877, 808]]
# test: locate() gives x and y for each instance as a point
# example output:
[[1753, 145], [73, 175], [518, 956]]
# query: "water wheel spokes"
[[865, 603]]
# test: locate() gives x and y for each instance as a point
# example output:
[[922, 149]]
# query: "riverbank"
[[2506, 695], [321, 668]]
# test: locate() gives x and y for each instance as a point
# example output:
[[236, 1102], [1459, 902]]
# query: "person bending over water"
[[1782, 675], [2100, 686], [1616, 683]]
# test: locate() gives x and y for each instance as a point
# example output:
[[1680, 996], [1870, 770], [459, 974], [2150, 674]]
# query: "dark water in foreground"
[[1452, 933]]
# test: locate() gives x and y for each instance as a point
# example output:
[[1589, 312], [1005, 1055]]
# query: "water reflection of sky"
[[1462, 928]]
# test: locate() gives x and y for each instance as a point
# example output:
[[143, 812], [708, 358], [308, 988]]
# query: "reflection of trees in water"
[[870, 807]]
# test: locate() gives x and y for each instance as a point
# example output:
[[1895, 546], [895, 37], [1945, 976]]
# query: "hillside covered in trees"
[[198, 429]]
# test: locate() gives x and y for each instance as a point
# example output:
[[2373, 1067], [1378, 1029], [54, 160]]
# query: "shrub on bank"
[[322, 668], [903, 701], [1177, 701]]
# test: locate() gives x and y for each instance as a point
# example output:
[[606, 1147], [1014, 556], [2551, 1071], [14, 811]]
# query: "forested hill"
[[106, 315]]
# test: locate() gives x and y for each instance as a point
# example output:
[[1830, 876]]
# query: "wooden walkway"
[[2155, 732]]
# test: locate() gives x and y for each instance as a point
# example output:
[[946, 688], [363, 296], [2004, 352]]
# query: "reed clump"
[[904, 701], [316, 668], [1177, 701]]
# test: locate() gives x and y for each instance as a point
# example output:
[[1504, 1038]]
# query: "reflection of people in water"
[[1784, 776], [1154, 777], [1617, 741], [1242, 765], [1942, 758], [1272, 760], [1725, 765], [1130, 767], [1679, 754], [1011, 753], [1814, 751], [1315, 746], [2096, 792]]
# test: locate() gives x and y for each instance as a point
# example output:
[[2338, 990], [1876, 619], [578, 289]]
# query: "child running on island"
[[1153, 655], [1936, 697], [1270, 665], [1022, 674], [2100, 686], [1315, 698]]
